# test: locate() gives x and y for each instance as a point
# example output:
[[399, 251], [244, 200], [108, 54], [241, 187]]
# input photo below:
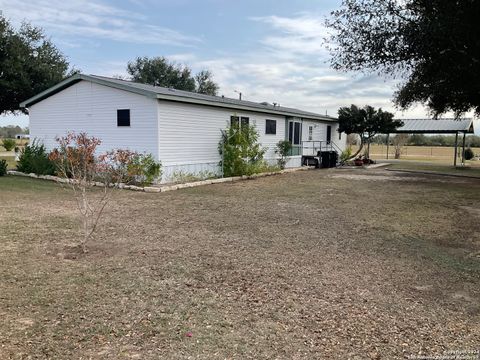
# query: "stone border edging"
[[165, 188]]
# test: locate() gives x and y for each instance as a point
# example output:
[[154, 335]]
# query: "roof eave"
[[240, 107], [76, 78], [52, 90]]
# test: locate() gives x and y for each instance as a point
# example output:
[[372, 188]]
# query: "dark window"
[[123, 117], [329, 134], [271, 127], [234, 120], [296, 135], [245, 121], [339, 135], [290, 132]]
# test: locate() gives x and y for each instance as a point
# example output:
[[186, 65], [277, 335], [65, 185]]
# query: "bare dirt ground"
[[325, 264]]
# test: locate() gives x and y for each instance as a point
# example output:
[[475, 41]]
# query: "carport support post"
[[456, 147], [463, 149], [388, 143]]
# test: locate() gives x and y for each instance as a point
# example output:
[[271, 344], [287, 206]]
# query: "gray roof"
[[177, 95], [436, 126]]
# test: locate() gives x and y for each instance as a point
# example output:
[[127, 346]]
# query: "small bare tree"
[[398, 142], [91, 178]]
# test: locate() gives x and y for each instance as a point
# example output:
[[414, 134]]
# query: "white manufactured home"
[[181, 129]]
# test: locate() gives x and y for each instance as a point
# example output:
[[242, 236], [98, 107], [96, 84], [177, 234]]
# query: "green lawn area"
[[320, 264], [437, 168]]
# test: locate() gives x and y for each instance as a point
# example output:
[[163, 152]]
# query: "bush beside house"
[[241, 153], [34, 159]]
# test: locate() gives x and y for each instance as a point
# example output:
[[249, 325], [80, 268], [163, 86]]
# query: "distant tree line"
[[433, 140], [9, 131]]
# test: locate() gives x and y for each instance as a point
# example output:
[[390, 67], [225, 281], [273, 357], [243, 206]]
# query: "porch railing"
[[312, 147]]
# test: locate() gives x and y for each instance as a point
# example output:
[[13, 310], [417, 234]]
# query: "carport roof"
[[436, 126]]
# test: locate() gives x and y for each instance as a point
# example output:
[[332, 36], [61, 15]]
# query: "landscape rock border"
[[171, 187]]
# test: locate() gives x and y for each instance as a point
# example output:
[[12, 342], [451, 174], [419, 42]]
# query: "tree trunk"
[[358, 151]]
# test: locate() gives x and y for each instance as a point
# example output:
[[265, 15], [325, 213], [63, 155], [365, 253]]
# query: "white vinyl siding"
[[319, 133], [184, 137], [92, 108], [189, 134]]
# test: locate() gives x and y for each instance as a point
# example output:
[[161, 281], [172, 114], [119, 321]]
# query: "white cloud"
[[305, 26], [301, 35], [93, 19], [289, 65]]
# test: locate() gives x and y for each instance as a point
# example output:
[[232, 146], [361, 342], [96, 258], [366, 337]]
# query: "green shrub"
[[3, 167], [143, 169], [469, 155], [346, 155], [9, 144], [241, 153], [34, 159], [283, 149]]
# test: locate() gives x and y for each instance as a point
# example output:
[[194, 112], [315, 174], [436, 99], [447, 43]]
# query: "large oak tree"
[[432, 45], [29, 64], [159, 71]]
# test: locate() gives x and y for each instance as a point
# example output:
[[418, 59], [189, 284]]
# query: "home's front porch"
[[316, 153]]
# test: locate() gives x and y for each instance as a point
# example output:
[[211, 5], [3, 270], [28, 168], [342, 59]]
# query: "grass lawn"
[[438, 168], [316, 264]]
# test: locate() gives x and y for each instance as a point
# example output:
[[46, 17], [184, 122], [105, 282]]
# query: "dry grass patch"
[[307, 265]]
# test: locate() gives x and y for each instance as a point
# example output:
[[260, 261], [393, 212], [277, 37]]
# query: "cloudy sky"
[[270, 50]]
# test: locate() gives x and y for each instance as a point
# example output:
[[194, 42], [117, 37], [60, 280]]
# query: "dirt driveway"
[[324, 264]]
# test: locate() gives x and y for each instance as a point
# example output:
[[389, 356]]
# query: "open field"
[[435, 154], [324, 264], [10, 157]]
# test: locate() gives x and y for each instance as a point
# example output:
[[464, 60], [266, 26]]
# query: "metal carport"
[[437, 126]]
